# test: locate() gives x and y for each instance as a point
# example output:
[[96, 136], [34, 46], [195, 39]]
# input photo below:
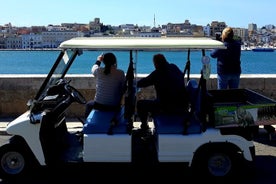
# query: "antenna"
[[154, 20]]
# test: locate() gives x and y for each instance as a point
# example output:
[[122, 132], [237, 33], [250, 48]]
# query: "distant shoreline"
[[40, 49], [57, 49]]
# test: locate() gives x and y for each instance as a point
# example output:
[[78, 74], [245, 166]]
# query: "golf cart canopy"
[[141, 43]]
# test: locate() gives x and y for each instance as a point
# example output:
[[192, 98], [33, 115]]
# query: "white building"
[[48, 39], [31, 41], [52, 39], [13, 42]]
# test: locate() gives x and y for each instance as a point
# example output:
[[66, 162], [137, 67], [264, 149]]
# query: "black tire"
[[13, 162], [219, 164], [216, 163]]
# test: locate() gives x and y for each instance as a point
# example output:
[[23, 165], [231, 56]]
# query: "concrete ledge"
[[16, 90]]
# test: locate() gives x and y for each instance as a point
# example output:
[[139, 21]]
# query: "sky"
[[235, 13]]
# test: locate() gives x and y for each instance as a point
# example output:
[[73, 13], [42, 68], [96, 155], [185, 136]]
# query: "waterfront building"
[[95, 26], [52, 39], [207, 30], [13, 42], [154, 32], [2, 42], [217, 27], [241, 33], [252, 29], [47, 39], [31, 41], [52, 35]]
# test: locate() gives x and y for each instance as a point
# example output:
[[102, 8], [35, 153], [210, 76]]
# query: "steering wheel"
[[75, 94]]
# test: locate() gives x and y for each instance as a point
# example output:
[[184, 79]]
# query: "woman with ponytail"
[[110, 84]]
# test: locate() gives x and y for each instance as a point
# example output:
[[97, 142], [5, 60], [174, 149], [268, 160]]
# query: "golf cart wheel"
[[13, 162], [216, 163], [219, 164]]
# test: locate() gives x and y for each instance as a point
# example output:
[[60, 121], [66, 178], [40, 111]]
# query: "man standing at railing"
[[228, 61]]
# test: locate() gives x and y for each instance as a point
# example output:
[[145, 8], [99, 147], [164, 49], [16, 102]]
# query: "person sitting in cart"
[[110, 85], [171, 95]]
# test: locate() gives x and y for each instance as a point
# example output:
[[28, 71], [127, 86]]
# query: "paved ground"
[[264, 172]]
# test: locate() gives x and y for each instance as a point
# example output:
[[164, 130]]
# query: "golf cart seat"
[[181, 123], [109, 122]]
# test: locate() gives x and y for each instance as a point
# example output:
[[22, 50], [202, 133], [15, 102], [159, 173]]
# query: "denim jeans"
[[230, 81]]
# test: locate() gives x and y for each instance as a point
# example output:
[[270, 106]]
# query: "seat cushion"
[[176, 124], [101, 122]]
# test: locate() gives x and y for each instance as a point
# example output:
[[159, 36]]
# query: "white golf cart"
[[213, 138]]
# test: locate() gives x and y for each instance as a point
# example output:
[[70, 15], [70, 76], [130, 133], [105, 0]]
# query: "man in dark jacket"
[[171, 96], [228, 61]]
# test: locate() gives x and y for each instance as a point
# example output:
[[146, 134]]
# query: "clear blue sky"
[[235, 13]]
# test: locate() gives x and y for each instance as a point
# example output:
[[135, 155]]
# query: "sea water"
[[40, 62]]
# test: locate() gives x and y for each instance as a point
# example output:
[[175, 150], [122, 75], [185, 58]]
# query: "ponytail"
[[109, 59]]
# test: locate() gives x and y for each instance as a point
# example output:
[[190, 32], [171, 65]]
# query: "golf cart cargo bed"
[[242, 107]]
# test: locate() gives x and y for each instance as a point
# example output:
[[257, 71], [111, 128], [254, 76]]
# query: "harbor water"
[[40, 61]]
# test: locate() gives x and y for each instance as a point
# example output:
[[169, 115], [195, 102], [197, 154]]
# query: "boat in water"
[[245, 48], [263, 49]]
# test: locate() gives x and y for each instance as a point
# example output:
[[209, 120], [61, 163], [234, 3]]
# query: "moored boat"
[[263, 49]]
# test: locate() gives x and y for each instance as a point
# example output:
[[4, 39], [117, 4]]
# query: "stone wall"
[[16, 90]]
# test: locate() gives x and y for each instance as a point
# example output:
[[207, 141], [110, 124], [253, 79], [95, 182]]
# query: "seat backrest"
[[176, 123], [193, 91]]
